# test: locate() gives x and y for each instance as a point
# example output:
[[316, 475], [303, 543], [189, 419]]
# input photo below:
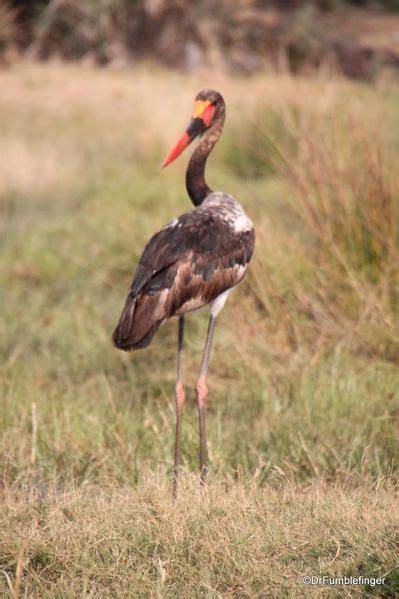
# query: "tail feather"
[[123, 330], [128, 334]]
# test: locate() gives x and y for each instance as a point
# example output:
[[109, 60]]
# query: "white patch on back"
[[242, 223], [229, 210], [219, 302]]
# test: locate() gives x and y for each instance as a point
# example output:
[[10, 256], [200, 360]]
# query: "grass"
[[304, 405], [255, 542]]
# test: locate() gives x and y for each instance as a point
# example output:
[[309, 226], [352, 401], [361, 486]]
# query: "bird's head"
[[209, 107]]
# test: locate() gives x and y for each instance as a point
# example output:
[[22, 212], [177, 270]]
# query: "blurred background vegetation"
[[354, 37]]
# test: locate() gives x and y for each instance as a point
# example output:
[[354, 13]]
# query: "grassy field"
[[303, 415]]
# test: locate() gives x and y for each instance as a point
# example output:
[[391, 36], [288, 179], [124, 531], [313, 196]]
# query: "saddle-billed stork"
[[195, 260]]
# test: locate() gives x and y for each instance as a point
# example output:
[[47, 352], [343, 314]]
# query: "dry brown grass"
[[237, 540]]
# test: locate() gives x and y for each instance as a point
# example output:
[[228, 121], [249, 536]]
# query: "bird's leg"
[[180, 398], [201, 389]]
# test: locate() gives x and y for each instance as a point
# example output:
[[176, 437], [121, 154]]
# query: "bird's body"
[[195, 260], [186, 265]]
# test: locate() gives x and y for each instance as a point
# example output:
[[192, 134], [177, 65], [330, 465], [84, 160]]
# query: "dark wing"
[[184, 266]]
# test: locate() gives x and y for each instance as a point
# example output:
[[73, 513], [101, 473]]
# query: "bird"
[[194, 261]]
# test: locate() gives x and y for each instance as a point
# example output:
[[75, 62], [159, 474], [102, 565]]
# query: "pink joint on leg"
[[202, 390], [180, 395]]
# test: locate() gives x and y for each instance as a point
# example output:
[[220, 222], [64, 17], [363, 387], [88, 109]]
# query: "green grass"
[[303, 411]]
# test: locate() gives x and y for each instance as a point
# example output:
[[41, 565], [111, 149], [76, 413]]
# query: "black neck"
[[195, 176]]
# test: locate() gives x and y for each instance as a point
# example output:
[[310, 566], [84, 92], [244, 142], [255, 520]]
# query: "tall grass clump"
[[346, 196], [340, 195]]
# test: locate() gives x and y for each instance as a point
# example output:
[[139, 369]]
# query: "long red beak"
[[201, 119], [181, 145]]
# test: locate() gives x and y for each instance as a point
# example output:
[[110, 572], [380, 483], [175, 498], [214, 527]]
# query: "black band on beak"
[[195, 128]]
